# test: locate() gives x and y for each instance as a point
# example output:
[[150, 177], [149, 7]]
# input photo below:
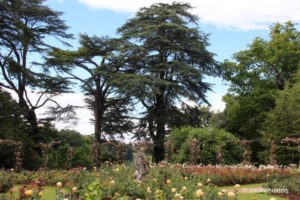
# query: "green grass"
[[258, 197], [248, 196], [254, 185], [48, 193]]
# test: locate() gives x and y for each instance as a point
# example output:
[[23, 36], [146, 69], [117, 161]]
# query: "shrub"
[[210, 139], [5, 182], [291, 183]]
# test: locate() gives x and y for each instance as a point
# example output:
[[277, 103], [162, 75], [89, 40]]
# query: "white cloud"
[[84, 115], [238, 14], [217, 104]]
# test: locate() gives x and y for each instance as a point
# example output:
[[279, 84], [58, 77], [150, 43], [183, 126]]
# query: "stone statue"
[[141, 165]]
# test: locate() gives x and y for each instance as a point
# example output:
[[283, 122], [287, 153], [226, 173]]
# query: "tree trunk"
[[160, 120], [158, 144], [31, 118], [97, 125], [98, 112]]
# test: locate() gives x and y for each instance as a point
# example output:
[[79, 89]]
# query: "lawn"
[[48, 192], [249, 196]]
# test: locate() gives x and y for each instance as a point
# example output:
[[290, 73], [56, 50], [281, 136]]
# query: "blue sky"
[[232, 25]]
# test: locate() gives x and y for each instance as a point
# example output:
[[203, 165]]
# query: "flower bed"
[[291, 184], [164, 181], [233, 174]]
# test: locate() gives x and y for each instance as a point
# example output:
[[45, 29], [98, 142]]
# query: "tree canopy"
[[24, 28], [99, 58], [170, 58]]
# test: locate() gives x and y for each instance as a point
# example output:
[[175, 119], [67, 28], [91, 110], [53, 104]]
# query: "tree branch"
[[27, 98], [12, 85]]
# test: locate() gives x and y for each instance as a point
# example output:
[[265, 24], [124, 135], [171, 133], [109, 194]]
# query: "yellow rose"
[[220, 194], [168, 181], [272, 198], [28, 193], [58, 184], [117, 194], [231, 195], [199, 185], [173, 190], [199, 193], [41, 194], [237, 186], [74, 189]]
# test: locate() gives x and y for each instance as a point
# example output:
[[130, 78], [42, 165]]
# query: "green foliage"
[[117, 182], [24, 26], [11, 121], [169, 56], [11, 125], [268, 64], [244, 115], [292, 184], [210, 139], [192, 116], [257, 77], [93, 191], [6, 182], [101, 83], [284, 121], [82, 150]]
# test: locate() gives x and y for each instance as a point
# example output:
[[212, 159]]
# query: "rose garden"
[[155, 135]]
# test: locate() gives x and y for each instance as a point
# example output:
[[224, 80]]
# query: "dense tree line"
[[263, 100], [139, 82]]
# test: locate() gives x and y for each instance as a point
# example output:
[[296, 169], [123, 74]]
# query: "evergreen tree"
[[170, 59], [25, 26], [98, 58]]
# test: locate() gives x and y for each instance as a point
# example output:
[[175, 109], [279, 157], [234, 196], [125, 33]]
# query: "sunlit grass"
[[48, 193], [250, 196]]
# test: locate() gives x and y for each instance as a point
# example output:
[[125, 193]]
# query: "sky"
[[232, 25]]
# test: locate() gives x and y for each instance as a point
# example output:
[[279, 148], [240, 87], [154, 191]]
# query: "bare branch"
[[47, 100], [80, 79], [40, 97], [27, 98]]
